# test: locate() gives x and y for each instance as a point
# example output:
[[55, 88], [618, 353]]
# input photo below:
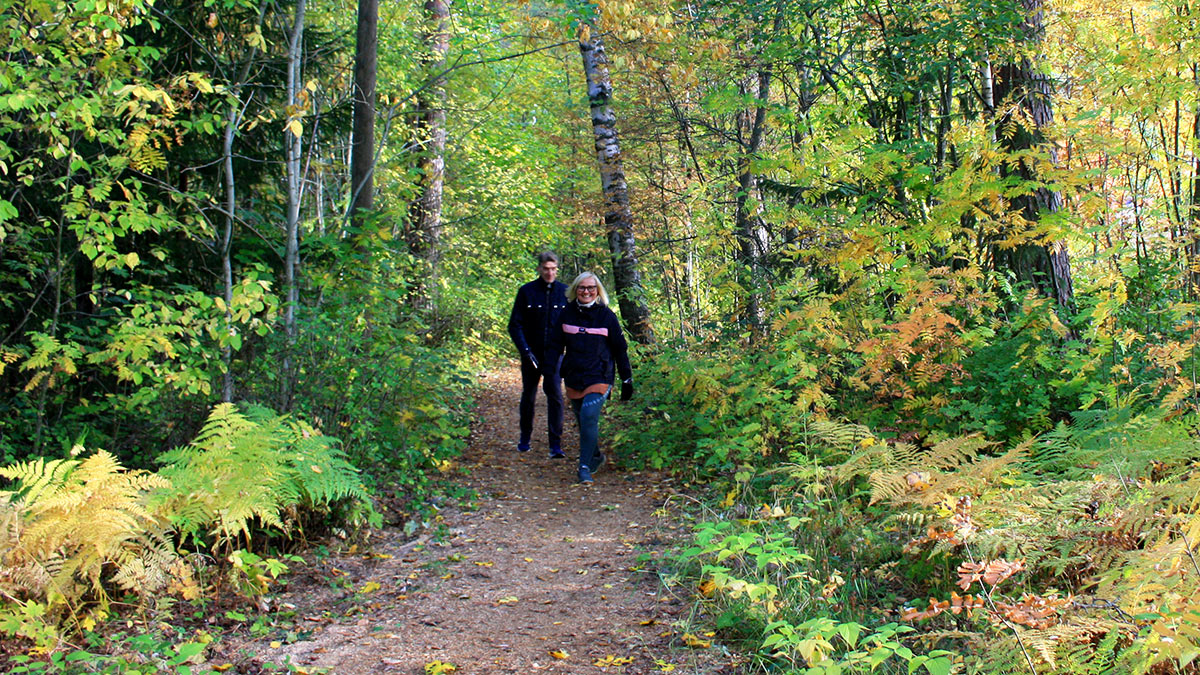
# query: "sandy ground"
[[541, 575]]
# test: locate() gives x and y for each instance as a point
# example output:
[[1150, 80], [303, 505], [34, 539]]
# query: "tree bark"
[[362, 146], [750, 229], [1046, 266], [618, 217], [425, 214], [292, 138]]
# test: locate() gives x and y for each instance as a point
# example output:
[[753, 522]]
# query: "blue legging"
[[587, 414]]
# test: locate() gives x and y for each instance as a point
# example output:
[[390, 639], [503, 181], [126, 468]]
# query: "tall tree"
[[1028, 90], [362, 148], [618, 217], [294, 146], [425, 213]]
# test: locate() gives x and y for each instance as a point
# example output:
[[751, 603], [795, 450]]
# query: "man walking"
[[534, 312]]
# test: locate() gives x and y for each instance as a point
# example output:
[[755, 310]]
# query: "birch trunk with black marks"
[[618, 217], [749, 226]]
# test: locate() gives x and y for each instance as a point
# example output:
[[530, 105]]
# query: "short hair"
[[601, 296], [547, 256]]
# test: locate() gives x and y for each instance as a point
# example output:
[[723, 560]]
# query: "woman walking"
[[591, 337]]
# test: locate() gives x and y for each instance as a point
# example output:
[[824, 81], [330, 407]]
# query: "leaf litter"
[[530, 522]]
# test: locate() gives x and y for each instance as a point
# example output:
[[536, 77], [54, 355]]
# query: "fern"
[[252, 467], [70, 526]]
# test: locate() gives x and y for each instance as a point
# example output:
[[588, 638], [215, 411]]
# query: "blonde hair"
[[601, 296]]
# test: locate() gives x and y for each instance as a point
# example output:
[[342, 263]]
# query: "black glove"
[[529, 355], [626, 389]]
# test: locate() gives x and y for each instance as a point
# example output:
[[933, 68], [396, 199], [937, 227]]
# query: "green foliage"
[[253, 468]]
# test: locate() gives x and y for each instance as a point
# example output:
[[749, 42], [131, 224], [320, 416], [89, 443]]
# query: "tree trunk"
[[362, 146], [425, 214], [750, 229], [292, 139], [1046, 267], [231, 125], [618, 218]]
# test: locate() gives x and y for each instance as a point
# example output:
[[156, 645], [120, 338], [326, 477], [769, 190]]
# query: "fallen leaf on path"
[[222, 668], [483, 563], [648, 622], [707, 588], [695, 642], [663, 666], [370, 587], [559, 654], [611, 660], [507, 600], [439, 668]]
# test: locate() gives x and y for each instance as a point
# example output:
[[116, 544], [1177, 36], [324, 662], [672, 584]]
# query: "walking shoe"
[[557, 453], [523, 446], [585, 475], [597, 461]]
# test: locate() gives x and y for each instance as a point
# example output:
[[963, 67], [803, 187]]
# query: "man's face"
[[548, 271]]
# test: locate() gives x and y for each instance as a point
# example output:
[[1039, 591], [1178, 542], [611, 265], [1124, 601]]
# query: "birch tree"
[[618, 217], [292, 140]]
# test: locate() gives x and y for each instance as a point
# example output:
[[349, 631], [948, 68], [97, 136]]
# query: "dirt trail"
[[542, 569]]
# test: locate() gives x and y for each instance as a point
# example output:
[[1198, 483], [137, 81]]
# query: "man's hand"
[[626, 389], [529, 355]]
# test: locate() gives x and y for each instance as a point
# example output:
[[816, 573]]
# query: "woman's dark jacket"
[[593, 342], [534, 313]]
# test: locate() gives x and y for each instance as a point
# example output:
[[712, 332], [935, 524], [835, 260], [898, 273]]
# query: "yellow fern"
[[70, 522]]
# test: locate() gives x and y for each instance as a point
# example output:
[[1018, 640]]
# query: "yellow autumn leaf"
[[222, 668], [508, 600], [483, 563], [439, 667], [695, 642], [315, 468], [611, 660], [728, 500], [276, 644], [707, 588], [559, 654], [369, 587], [663, 666], [295, 127]]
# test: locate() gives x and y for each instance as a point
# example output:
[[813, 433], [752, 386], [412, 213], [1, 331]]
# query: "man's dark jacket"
[[534, 312]]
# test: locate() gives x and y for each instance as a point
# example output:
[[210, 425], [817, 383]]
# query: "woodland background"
[[915, 286]]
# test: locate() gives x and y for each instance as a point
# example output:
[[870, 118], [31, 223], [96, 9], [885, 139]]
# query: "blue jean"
[[551, 384], [587, 414]]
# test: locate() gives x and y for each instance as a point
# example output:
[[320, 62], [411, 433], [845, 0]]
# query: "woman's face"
[[548, 271], [587, 290]]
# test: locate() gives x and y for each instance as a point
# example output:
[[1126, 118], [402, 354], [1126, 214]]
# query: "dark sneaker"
[[523, 446], [557, 453], [597, 461], [585, 475]]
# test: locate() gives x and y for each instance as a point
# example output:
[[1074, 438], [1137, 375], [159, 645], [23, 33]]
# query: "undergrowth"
[[832, 547]]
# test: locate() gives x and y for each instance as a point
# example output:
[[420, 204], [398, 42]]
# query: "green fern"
[[252, 466]]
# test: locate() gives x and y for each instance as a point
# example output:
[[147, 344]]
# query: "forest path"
[[542, 576]]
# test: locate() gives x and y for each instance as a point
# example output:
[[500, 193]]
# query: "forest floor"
[[535, 574]]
